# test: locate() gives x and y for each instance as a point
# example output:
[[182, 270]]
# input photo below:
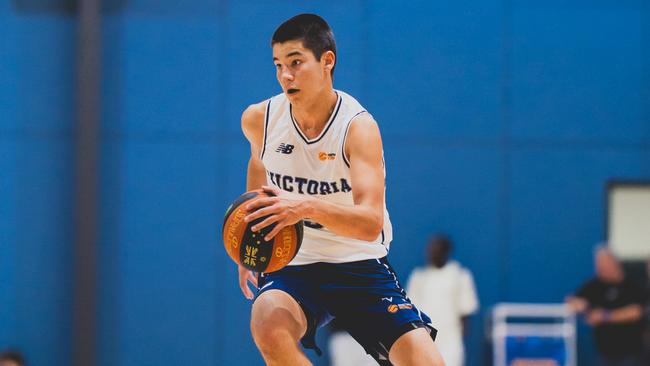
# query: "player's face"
[[299, 73]]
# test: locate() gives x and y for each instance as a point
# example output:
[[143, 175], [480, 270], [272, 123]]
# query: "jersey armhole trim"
[[345, 137], [266, 126]]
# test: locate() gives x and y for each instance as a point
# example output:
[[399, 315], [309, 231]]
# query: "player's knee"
[[270, 333], [415, 348], [269, 339], [272, 323]]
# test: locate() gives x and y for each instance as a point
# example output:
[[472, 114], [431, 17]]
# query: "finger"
[[272, 189], [268, 221], [252, 278], [243, 285], [260, 213], [246, 290], [261, 202], [275, 231]]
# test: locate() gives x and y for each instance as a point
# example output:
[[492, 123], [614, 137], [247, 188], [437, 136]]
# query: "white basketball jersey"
[[318, 167]]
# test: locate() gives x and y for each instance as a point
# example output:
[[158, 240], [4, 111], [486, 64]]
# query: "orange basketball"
[[249, 248]]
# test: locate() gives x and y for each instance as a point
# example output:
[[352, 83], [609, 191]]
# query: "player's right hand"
[[245, 276]]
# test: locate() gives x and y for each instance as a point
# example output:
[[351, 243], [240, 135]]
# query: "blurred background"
[[503, 122]]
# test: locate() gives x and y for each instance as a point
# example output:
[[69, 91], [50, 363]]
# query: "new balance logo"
[[285, 148]]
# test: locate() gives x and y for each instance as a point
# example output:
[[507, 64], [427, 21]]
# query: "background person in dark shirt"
[[646, 316], [613, 306], [11, 358]]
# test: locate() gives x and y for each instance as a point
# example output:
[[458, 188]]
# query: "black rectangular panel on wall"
[[69, 7]]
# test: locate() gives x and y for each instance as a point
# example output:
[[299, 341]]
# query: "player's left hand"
[[284, 209]]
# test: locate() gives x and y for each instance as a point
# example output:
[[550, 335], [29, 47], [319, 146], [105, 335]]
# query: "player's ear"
[[329, 60]]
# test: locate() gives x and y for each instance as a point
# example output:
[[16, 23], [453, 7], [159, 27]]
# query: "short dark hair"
[[13, 356], [441, 240], [315, 33]]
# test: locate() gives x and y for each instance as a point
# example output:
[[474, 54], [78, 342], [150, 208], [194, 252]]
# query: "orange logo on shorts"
[[394, 308]]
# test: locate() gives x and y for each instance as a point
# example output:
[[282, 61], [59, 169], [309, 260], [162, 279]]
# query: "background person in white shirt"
[[344, 350], [445, 291]]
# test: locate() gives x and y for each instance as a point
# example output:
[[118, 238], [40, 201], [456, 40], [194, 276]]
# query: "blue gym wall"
[[37, 52], [501, 120]]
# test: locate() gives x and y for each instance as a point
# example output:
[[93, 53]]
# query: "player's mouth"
[[292, 91]]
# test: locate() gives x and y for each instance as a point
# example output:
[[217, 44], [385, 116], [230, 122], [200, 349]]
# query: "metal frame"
[[501, 328]]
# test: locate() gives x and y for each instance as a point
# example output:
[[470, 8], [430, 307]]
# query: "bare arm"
[[252, 123], [363, 220], [595, 316], [577, 304], [625, 314]]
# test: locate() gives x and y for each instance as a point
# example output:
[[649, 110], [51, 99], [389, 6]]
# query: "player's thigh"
[[276, 310], [415, 347]]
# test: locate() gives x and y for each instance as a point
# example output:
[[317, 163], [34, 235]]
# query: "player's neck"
[[312, 117]]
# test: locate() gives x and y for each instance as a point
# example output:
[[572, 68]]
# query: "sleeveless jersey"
[[318, 167]]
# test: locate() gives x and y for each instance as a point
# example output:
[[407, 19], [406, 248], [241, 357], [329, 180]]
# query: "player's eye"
[[278, 66], [296, 62]]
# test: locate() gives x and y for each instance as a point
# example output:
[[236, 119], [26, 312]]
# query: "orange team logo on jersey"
[[325, 156]]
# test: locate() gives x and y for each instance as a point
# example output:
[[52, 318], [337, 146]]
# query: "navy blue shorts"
[[365, 297]]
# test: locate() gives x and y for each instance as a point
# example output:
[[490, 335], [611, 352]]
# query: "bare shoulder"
[[253, 116], [363, 121], [363, 137], [252, 122], [363, 130]]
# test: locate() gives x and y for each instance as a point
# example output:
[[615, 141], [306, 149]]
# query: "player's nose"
[[286, 74]]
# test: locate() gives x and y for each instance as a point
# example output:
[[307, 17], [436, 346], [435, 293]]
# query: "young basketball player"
[[320, 153]]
